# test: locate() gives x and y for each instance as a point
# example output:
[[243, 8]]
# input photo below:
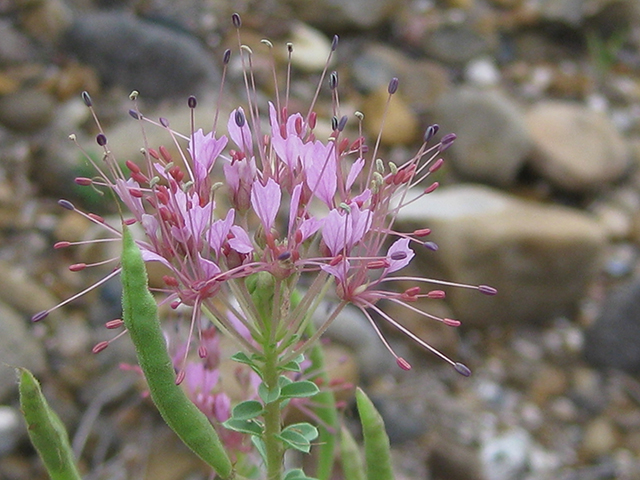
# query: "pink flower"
[[294, 205]]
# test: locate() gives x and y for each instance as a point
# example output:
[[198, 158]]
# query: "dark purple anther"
[[446, 141], [101, 139], [39, 316], [66, 204], [240, 119], [226, 56], [462, 369], [487, 289], [192, 102], [398, 255], [86, 98], [164, 122], [430, 132], [334, 43], [237, 21], [333, 80], [393, 85], [334, 123], [135, 114], [342, 123], [431, 246], [284, 256]]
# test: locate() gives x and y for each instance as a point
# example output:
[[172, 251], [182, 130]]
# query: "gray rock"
[[612, 340], [139, 55], [493, 141], [575, 148], [422, 82], [26, 110], [457, 43], [18, 348], [338, 14], [539, 257]]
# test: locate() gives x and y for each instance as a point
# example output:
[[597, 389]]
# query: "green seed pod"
[[46, 431], [376, 441], [140, 315], [352, 464]]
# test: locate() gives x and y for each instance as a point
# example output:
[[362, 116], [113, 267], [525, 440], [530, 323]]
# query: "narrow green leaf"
[[301, 389], [352, 464], [243, 426], [46, 431], [247, 410], [376, 442]]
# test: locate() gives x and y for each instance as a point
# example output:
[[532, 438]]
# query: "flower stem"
[[272, 421]]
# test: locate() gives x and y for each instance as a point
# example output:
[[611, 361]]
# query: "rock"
[[11, 429], [311, 48], [612, 340], [24, 293], [15, 46], [400, 122], [46, 20], [493, 141], [576, 149], [600, 438], [139, 55], [539, 257], [548, 382], [332, 15], [352, 330], [500, 457], [18, 348], [462, 39], [422, 82], [26, 110]]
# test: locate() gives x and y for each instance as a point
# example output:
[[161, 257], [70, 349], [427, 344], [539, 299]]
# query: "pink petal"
[[265, 200]]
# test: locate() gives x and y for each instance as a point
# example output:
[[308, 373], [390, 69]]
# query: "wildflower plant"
[[294, 218]]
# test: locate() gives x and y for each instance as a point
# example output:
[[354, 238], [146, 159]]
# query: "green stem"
[[272, 422]]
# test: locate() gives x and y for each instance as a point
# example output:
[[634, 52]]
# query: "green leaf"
[[251, 427], [260, 447], [268, 396], [301, 389], [242, 357], [305, 429], [247, 410], [295, 440], [294, 365], [297, 474]]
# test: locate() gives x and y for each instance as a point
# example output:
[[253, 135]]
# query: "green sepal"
[[46, 430]]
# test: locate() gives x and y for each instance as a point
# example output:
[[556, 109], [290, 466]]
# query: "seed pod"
[[46, 431], [376, 441], [140, 315]]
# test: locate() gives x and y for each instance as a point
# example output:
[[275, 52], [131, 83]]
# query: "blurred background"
[[539, 197]]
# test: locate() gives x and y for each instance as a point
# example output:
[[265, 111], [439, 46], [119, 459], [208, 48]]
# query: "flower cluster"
[[292, 210]]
